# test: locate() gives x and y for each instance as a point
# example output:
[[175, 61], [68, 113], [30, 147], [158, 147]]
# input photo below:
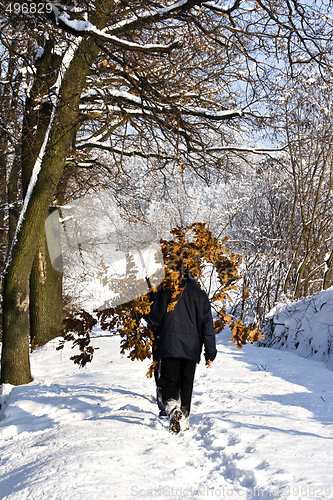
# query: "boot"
[[184, 421], [175, 417]]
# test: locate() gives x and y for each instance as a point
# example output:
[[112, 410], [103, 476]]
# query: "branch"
[[243, 150], [146, 18], [164, 108], [218, 115], [107, 147]]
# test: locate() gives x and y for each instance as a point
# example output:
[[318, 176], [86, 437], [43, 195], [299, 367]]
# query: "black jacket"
[[183, 331]]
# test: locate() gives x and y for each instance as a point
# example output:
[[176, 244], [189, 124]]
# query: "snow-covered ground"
[[261, 427], [305, 327]]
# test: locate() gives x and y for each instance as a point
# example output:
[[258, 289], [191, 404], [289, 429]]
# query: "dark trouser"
[[157, 374], [176, 381]]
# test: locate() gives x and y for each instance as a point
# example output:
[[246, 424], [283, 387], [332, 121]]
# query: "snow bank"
[[305, 327]]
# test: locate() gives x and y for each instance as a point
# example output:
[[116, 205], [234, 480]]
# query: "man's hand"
[[209, 363]]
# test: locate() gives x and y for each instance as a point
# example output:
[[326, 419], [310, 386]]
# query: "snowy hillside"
[[305, 327], [261, 427]]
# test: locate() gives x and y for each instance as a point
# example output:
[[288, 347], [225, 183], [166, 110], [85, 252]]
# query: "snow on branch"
[[238, 149], [127, 96], [152, 16], [81, 28], [105, 146], [8, 206], [98, 109], [130, 98], [218, 115], [224, 9]]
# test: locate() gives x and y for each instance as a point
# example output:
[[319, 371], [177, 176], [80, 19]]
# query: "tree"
[[10, 110], [162, 82], [256, 220], [45, 174], [284, 229], [309, 165]]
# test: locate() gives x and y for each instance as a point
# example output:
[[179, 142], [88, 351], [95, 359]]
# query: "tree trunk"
[[15, 368], [45, 284], [15, 363], [45, 298], [46, 303], [14, 194], [3, 201], [3, 229]]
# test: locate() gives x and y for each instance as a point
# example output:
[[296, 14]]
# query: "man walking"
[[182, 332]]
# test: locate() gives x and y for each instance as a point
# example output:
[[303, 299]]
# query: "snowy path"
[[261, 427]]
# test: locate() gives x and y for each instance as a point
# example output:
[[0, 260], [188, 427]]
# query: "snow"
[[261, 427], [305, 327], [125, 95]]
